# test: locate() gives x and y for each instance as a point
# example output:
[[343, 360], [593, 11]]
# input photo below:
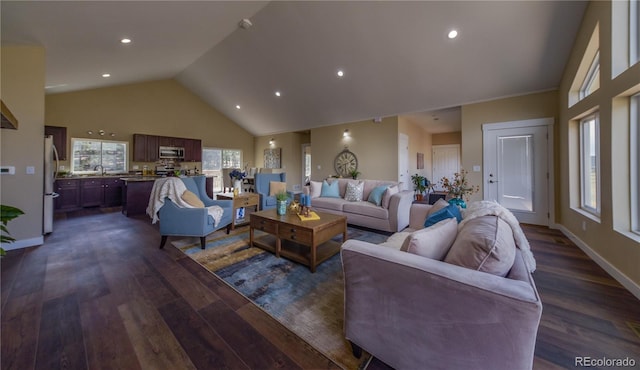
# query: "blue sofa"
[[179, 221]]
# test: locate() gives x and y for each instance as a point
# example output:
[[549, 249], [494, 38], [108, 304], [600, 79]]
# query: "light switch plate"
[[31, 170], [476, 168]]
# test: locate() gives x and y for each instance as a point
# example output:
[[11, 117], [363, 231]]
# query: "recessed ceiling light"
[[453, 34], [125, 41], [105, 75], [238, 106], [340, 73], [278, 94]]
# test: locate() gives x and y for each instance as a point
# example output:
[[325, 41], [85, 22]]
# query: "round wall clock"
[[345, 163]]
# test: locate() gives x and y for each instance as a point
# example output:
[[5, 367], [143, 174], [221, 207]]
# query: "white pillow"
[[315, 189], [386, 197], [432, 242], [354, 191]]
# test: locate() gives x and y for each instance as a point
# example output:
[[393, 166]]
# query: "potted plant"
[[419, 185], [237, 176], [459, 188], [281, 202], [354, 174], [7, 213]]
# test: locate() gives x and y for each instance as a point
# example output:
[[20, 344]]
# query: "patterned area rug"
[[310, 305]]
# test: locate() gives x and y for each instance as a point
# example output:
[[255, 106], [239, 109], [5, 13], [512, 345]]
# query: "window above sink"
[[95, 157]]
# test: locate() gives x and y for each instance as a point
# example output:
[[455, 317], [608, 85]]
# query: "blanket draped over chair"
[[493, 208], [173, 188]]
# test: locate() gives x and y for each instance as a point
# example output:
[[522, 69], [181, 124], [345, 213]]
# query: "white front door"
[[446, 162], [516, 168], [403, 161]]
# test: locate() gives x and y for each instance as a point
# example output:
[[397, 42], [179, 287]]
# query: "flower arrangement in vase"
[[459, 187], [236, 177]]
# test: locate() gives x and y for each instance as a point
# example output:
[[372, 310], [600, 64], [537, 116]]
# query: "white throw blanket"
[[492, 208], [173, 188]]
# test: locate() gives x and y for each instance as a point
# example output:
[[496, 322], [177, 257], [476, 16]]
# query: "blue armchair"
[[175, 220], [262, 181]]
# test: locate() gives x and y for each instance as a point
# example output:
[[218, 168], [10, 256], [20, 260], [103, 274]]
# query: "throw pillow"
[[485, 244], [432, 242], [330, 190], [315, 189], [450, 211], [386, 198], [354, 191], [438, 205], [192, 199], [276, 187], [375, 196]]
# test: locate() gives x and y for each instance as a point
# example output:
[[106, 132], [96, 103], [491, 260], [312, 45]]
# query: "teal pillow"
[[450, 211], [330, 190], [375, 196]]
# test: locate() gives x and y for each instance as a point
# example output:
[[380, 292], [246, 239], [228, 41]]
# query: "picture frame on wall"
[[272, 158], [420, 161]]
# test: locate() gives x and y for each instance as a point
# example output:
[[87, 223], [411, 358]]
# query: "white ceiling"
[[396, 56]]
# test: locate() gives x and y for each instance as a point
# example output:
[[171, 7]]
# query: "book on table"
[[312, 216]]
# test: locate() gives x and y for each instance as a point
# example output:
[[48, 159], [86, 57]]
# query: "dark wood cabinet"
[[209, 186], [91, 192], [192, 150], [68, 195], [59, 139], [135, 197], [164, 141], [112, 192], [145, 148]]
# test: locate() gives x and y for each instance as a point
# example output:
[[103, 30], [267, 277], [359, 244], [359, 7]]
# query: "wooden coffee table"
[[306, 242]]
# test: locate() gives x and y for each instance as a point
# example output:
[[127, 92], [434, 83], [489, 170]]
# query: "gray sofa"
[[414, 312], [392, 215]]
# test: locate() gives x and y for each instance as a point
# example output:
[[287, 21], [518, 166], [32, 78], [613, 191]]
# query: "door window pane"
[[590, 164], [515, 166]]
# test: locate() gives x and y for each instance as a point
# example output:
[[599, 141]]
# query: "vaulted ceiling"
[[396, 56]]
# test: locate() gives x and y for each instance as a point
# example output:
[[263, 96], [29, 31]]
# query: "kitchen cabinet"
[[145, 148], [59, 139], [91, 192], [112, 192], [135, 196], [192, 150], [68, 195], [164, 141]]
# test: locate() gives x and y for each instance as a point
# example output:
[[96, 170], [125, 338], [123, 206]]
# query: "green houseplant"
[[281, 202], [7, 213], [419, 185], [354, 174]]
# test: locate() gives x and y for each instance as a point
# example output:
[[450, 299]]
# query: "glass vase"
[[458, 201], [281, 207]]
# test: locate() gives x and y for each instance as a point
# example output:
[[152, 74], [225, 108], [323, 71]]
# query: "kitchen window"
[[89, 155]]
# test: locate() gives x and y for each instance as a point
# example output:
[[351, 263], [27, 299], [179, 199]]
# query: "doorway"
[[516, 168], [446, 162], [403, 161], [306, 164]]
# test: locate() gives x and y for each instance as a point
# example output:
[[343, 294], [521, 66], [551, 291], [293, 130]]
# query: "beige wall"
[[532, 106], [420, 141], [23, 77], [374, 144], [162, 108], [448, 138], [608, 236], [290, 155]]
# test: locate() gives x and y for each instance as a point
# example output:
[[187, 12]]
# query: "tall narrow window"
[[634, 120], [592, 80], [590, 164]]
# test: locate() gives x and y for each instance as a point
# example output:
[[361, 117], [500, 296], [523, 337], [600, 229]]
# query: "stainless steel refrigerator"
[[50, 172]]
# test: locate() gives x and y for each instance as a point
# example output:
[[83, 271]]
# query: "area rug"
[[309, 304]]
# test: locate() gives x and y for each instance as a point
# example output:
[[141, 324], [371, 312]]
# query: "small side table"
[[242, 200]]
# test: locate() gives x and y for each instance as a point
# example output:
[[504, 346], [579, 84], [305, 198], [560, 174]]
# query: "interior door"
[[516, 171], [403, 161], [446, 162]]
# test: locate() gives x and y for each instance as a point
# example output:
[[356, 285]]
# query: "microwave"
[[171, 152]]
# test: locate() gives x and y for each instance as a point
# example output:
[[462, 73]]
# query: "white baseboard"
[[24, 243], [623, 279]]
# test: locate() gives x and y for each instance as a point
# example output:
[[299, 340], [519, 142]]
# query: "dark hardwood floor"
[[100, 294]]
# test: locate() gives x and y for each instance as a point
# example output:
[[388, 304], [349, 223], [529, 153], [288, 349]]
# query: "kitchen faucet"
[[96, 168]]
